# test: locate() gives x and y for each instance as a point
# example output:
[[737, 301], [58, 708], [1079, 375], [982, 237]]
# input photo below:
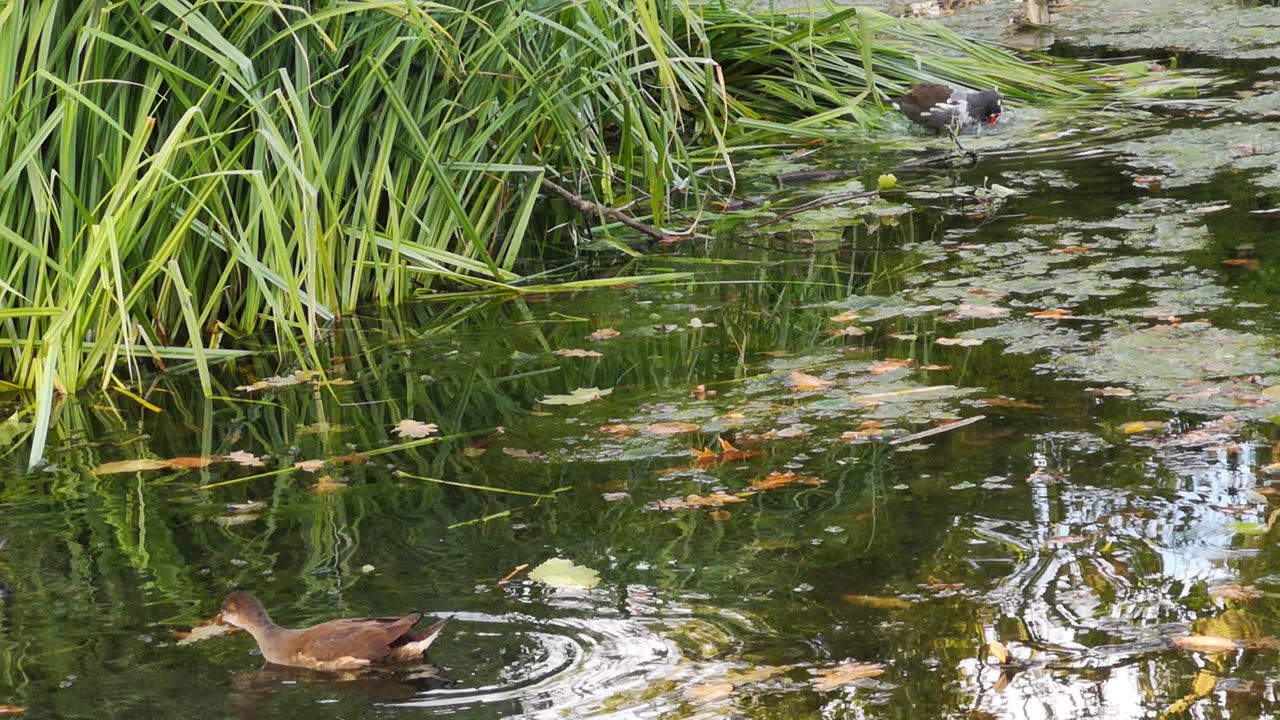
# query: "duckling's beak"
[[992, 121]]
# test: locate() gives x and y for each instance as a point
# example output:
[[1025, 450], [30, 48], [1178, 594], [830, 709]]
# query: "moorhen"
[[938, 107], [348, 644]]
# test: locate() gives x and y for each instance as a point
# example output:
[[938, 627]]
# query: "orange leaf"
[[671, 428], [804, 382], [888, 365], [604, 334], [774, 481]]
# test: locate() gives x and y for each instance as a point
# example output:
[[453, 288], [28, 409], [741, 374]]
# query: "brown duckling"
[[347, 644]]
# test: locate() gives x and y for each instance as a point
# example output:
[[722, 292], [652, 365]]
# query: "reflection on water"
[[1110, 491]]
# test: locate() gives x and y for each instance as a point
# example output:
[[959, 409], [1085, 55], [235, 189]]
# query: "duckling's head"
[[244, 611]]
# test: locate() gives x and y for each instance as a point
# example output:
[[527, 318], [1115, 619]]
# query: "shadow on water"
[[1108, 495]]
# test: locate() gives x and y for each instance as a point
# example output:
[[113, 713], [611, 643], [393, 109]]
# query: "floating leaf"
[[847, 331], [578, 353], [671, 428], [846, 672], [415, 428], [773, 481], [521, 453], [997, 650], [126, 466], [1111, 392], [561, 573], [189, 463], [326, 484], [1236, 592], [879, 603], [297, 378], [203, 632], [620, 429], [715, 499], [755, 675], [580, 396], [1053, 314], [603, 334], [962, 342], [804, 382], [709, 692], [847, 316], [247, 459], [1204, 643], [351, 458], [1011, 403], [889, 365], [11, 710], [966, 311], [1140, 426]]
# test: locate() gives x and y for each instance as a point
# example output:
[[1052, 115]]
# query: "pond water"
[[1094, 301]]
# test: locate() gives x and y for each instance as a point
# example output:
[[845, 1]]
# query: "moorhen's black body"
[[940, 108]]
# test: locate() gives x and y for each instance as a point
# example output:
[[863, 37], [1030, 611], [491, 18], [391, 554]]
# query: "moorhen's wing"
[[344, 644]]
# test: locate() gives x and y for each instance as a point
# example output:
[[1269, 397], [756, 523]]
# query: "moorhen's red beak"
[[992, 121]]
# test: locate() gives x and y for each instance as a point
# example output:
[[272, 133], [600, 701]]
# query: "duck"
[[336, 645], [940, 108]]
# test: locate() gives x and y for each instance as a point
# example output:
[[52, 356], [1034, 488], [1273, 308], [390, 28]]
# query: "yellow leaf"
[[804, 382], [126, 466], [1204, 643], [997, 650], [846, 672]]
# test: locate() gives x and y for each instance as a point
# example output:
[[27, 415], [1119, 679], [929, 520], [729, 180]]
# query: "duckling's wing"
[[352, 643]]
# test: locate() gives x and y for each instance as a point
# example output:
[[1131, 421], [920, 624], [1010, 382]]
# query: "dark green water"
[[1044, 525]]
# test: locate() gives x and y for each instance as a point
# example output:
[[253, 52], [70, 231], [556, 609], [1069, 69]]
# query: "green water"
[[1044, 525]]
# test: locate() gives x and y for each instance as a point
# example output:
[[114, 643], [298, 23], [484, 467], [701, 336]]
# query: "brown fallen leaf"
[[351, 458], [1110, 392], [11, 710], [415, 428], [620, 429], [845, 317], [604, 334], [715, 499], [935, 368], [1236, 592], [189, 463], [708, 692], [1011, 403], [967, 311], [847, 331], [758, 674], [831, 678], [997, 650], [126, 466], [326, 484], [773, 481], [701, 393], [1245, 263], [876, 602], [960, 342], [804, 382], [575, 353], [211, 629], [1204, 643], [1052, 314], [888, 365], [246, 459], [671, 428], [720, 515], [521, 453], [1072, 249], [309, 465], [297, 378]]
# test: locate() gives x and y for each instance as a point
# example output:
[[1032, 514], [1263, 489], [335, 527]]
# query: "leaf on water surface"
[[720, 515], [620, 429], [126, 466], [1246, 263], [351, 458], [1206, 209], [962, 342], [715, 499], [869, 430], [696, 323], [847, 331], [1052, 314], [701, 393], [1110, 392], [878, 603], [1236, 592], [309, 465], [579, 396], [521, 453], [776, 353], [415, 428], [1011, 403], [671, 428], [11, 710], [1204, 643], [773, 481], [804, 382], [786, 433], [1270, 469], [847, 316], [604, 334], [935, 368], [846, 672], [1073, 249], [997, 650], [574, 352], [981, 312], [748, 676], [211, 629], [1141, 426], [326, 484], [709, 692], [189, 463], [561, 573], [1148, 180], [888, 365], [297, 378], [247, 459]]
